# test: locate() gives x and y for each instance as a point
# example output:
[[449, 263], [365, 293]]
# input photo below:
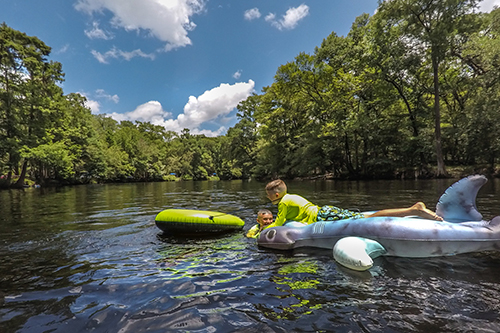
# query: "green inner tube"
[[189, 221]]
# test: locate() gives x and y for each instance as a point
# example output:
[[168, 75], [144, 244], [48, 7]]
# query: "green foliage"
[[54, 157], [377, 102], [170, 178], [187, 177], [47, 136], [374, 103]]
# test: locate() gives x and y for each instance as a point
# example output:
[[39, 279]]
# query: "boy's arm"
[[281, 217], [253, 232]]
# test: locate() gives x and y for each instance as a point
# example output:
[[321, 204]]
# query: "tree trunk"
[[348, 159], [441, 171], [22, 176]]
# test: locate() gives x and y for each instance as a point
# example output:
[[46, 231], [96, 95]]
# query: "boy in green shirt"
[[292, 207]]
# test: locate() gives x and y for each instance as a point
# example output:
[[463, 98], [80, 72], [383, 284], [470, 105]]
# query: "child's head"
[[276, 190], [264, 217]]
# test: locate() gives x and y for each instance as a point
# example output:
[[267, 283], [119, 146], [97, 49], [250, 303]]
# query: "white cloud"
[[220, 131], [166, 20], [151, 111], [487, 6], [270, 17], [102, 94], [97, 33], [211, 105], [117, 53], [94, 106], [63, 49], [237, 75], [136, 53], [252, 14], [99, 56], [290, 19]]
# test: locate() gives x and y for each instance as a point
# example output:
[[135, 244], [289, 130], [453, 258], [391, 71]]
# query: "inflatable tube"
[[400, 236], [188, 221]]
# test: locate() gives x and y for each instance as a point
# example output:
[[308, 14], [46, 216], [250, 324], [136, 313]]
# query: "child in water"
[[292, 207], [264, 218]]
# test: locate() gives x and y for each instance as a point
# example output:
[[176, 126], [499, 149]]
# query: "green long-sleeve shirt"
[[293, 207]]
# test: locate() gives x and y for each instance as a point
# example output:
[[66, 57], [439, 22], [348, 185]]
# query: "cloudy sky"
[[178, 63]]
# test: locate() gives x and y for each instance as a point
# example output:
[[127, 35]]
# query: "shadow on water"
[[90, 259]]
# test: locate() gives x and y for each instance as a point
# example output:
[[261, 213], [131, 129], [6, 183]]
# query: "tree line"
[[49, 137], [411, 90]]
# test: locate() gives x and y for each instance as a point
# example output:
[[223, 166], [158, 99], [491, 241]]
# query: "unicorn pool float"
[[356, 242]]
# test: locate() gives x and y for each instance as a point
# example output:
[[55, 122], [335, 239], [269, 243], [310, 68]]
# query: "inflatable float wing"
[[357, 241]]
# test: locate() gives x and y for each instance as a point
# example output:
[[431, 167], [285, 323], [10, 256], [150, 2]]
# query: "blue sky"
[[178, 63]]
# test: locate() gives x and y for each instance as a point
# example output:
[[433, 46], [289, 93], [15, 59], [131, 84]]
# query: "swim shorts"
[[332, 213]]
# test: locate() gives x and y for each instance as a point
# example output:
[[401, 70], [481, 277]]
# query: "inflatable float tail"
[[458, 203]]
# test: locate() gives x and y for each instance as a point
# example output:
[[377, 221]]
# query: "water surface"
[[90, 259]]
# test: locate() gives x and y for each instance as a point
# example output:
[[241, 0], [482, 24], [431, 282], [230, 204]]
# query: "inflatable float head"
[[280, 238]]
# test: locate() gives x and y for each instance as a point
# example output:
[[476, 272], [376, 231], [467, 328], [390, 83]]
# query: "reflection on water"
[[90, 259]]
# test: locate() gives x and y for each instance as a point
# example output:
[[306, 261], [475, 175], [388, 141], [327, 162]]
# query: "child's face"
[[265, 219]]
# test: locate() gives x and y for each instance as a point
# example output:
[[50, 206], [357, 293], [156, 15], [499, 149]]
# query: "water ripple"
[[91, 259]]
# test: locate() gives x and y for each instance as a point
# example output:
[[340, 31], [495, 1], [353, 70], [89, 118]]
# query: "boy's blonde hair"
[[264, 212], [276, 186]]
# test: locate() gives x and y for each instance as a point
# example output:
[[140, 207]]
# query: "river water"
[[90, 259]]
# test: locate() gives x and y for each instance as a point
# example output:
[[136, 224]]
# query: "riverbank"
[[455, 172]]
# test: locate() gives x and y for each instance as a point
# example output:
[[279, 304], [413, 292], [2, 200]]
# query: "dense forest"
[[411, 91]]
